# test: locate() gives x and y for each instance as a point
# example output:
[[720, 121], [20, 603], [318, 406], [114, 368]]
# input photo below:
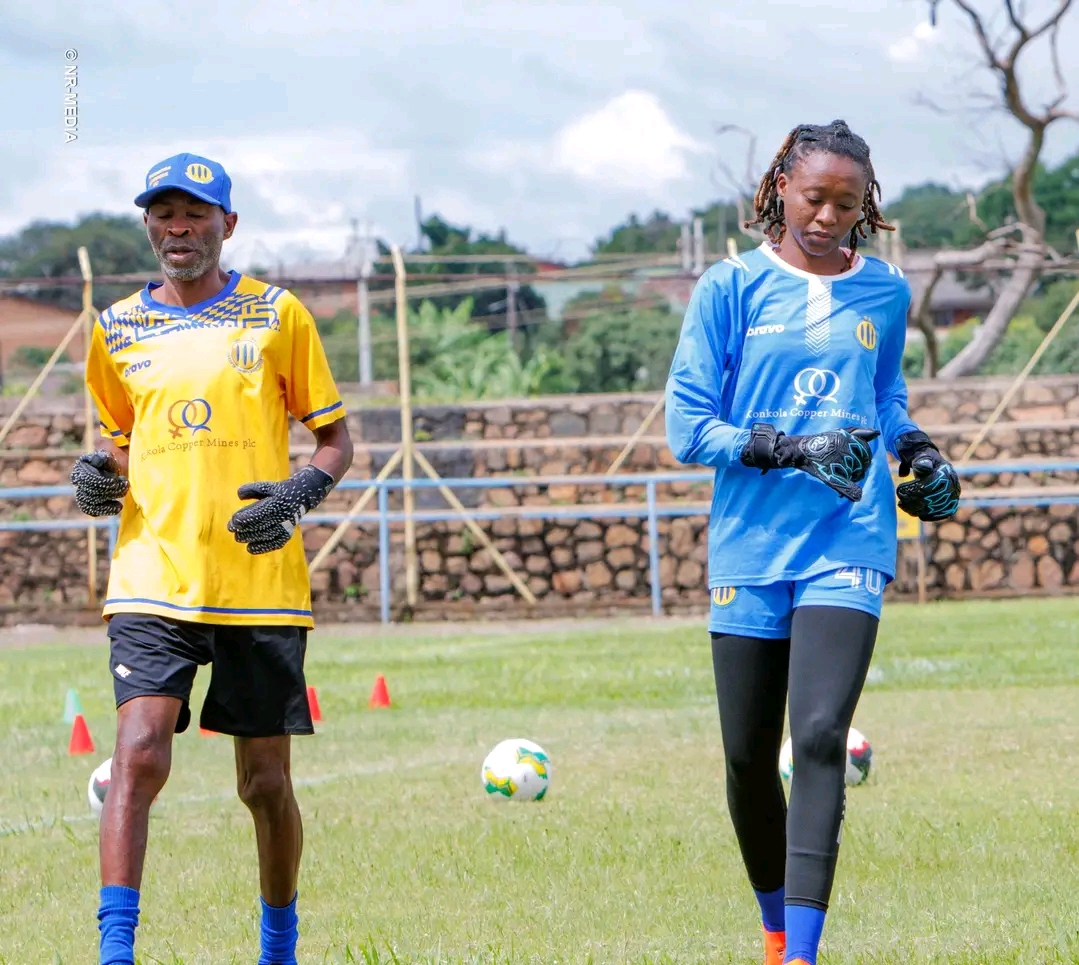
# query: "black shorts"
[[257, 686]]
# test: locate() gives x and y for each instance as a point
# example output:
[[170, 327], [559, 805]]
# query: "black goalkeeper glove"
[[933, 493], [269, 524], [839, 458], [99, 487]]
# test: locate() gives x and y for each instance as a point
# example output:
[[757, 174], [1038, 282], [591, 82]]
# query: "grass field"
[[963, 847]]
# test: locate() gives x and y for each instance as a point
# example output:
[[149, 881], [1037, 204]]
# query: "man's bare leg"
[[264, 783]]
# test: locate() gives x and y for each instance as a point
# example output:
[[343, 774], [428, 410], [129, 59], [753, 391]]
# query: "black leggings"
[[825, 661]]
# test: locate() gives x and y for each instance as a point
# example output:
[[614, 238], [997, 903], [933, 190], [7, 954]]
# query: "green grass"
[[963, 847]]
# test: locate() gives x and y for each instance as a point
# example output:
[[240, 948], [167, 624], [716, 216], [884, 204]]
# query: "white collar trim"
[[859, 263]]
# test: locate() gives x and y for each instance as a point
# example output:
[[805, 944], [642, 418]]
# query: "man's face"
[[187, 234]]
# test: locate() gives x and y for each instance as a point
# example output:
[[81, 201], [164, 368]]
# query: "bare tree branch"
[[1016, 22], [972, 210], [1058, 74]]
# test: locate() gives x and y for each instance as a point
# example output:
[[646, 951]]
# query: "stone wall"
[[573, 565]]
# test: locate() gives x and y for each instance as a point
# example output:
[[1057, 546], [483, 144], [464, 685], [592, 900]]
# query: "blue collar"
[[150, 302]]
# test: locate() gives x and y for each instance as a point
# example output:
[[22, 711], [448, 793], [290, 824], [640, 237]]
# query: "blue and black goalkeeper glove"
[[269, 524], [99, 487], [933, 493], [839, 458]]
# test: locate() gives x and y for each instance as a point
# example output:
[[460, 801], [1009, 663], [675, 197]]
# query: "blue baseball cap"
[[197, 176]]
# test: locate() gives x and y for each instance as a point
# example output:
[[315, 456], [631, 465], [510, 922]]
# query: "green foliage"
[[619, 345], [34, 357], [914, 360], [1045, 308], [117, 244], [340, 340], [455, 358], [454, 241], [659, 233], [935, 216]]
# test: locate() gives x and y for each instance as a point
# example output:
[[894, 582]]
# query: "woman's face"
[[822, 201]]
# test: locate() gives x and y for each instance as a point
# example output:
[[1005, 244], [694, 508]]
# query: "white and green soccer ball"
[[859, 758], [516, 770]]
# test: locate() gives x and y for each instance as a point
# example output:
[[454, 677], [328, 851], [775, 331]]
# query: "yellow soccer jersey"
[[201, 396]]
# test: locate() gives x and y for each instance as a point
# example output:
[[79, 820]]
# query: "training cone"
[[81, 742], [312, 703], [380, 696], [203, 732], [72, 706]]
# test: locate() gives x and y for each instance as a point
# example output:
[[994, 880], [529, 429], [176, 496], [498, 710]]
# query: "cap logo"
[[199, 173], [154, 178]]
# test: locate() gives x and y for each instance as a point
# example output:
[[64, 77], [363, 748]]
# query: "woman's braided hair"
[[835, 138]]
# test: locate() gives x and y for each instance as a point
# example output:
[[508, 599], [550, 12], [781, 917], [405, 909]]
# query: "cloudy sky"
[[552, 120]]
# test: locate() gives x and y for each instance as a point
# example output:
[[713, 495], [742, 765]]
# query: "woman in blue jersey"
[[789, 360]]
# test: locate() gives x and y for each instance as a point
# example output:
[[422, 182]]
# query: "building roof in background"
[[953, 292]]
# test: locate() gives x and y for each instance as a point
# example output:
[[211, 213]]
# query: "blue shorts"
[[765, 611]]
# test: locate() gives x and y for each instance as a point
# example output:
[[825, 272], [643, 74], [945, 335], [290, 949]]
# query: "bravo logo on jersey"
[[765, 330]]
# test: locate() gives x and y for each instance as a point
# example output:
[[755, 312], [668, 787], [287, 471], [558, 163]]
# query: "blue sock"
[[804, 927], [119, 917], [279, 933], [771, 903]]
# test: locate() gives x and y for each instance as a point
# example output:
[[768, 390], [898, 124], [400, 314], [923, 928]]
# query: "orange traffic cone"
[[312, 703], [81, 742], [380, 696]]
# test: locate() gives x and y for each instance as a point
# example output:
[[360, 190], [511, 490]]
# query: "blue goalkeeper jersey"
[[765, 342]]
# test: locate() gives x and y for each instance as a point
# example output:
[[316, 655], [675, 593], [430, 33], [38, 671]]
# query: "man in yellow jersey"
[[194, 381]]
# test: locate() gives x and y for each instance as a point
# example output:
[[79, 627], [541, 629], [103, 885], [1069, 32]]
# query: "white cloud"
[[290, 189], [911, 47], [630, 142]]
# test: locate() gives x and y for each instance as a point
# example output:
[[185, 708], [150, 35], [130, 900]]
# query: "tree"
[[618, 343], [117, 245], [451, 241], [661, 234], [1023, 246]]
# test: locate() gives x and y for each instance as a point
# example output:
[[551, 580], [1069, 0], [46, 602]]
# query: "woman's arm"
[[695, 432]]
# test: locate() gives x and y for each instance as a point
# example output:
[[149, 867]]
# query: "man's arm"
[[333, 452], [120, 455]]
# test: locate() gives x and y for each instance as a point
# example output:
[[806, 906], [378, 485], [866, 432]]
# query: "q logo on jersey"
[[193, 414], [199, 173], [245, 356], [723, 595], [819, 384], [866, 333]]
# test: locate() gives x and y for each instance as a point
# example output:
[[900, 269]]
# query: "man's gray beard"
[[209, 256]]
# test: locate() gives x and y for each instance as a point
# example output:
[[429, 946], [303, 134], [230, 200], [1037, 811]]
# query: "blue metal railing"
[[650, 509]]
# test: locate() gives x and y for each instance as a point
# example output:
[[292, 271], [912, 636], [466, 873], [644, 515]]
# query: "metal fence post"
[[653, 548], [113, 531], [384, 588]]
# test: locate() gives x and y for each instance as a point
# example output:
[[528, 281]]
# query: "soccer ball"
[[516, 770], [99, 786], [859, 758]]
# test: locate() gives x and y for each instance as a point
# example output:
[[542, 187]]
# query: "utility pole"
[[698, 246], [363, 254], [687, 255], [511, 302]]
